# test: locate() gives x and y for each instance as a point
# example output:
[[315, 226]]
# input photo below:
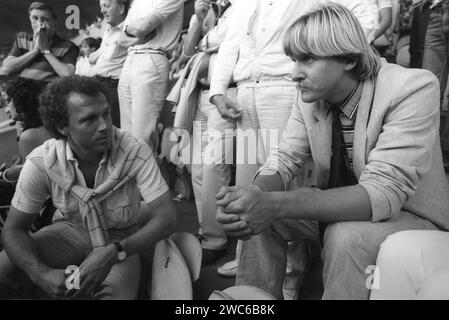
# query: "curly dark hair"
[[24, 94], [53, 101]]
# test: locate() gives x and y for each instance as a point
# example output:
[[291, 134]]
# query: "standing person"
[[43, 55], [371, 129], [435, 59], [96, 176], [213, 136], [252, 55], [109, 59], [152, 29]]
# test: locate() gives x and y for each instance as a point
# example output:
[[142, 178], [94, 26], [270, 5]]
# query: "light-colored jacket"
[[397, 155]]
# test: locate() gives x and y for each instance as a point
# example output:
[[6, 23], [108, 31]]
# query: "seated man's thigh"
[[60, 245], [366, 237], [63, 244]]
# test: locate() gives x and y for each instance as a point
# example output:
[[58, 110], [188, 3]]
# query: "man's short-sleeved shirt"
[[40, 69], [121, 209]]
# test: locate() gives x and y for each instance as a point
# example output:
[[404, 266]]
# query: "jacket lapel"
[[361, 123]]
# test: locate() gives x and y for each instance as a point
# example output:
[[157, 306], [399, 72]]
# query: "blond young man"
[[372, 130]]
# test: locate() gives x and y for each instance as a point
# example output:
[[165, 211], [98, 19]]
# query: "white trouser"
[[142, 90], [213, 140]]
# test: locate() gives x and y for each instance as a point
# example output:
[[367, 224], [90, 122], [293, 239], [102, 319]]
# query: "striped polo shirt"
[[40, 69], [348, 114]]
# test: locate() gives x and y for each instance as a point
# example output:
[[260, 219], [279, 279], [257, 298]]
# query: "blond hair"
[[331, 30]]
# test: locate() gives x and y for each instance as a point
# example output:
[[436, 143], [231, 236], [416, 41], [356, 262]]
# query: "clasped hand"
[[244, 212]]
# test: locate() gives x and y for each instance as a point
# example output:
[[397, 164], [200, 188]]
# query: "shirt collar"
[[70, 156], [351, 103]]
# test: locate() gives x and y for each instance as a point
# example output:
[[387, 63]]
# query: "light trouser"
[[65, 244], [266, 108], [413, 265], [349, 252], [142, 90], [213, 139], [436, 57]]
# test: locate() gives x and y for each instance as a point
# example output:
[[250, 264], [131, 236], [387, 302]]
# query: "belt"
[[207, 86], [107, 79], [148, 50]]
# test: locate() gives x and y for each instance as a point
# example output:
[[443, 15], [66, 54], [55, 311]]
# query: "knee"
[[341, 238]]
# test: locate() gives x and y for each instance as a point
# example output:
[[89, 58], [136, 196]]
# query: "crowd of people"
[[354, 89]]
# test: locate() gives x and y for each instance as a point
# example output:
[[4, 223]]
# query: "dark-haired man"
[[96, 176], [43, 55]]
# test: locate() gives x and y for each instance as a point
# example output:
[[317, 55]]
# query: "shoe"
[[210, 256], [229, 269]]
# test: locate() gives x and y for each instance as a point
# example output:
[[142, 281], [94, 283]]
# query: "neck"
[[85, 157], [116, 23], [343, 90]]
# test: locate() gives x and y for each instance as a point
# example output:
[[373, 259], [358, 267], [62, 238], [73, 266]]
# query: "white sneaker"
[[229, 269]]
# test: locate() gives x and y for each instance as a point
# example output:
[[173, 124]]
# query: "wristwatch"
[[45, 52], [121, 254]]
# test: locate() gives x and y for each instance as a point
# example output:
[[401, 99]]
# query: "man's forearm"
[[339, 204], [61, 68], [12, 65], [141, 28], [192, 39], [158, 227], [23, 252]]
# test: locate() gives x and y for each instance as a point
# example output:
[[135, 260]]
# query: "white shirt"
[[252, 49], [112, 57], [171, 12], [84, 67]]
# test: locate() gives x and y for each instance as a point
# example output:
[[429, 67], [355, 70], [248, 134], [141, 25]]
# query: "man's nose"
[[298, 72]]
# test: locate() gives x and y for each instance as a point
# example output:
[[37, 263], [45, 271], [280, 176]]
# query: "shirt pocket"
[[118, 206]]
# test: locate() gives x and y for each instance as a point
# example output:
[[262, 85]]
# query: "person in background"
[[84, 67], [436, 59], [22, 95], [213, 136], [151, 31], [109, 59], [43, 55]]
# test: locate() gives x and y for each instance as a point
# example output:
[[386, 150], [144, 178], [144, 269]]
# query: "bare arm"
[[23, 252], [160, 225], [13, 65], [339, 204], [61, 68], [385, 20]]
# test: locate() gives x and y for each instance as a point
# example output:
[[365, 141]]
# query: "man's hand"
[[227, 108], [94, 270], [53, 283], [43, 40], [253, 207], [201, 9]]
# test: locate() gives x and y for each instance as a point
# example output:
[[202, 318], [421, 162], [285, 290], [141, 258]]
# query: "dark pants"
[[110, 86]]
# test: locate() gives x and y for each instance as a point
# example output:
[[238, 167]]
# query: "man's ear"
[[350, 65]]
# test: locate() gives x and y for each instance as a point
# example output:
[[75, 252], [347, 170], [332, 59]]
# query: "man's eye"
[[107, 114]]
